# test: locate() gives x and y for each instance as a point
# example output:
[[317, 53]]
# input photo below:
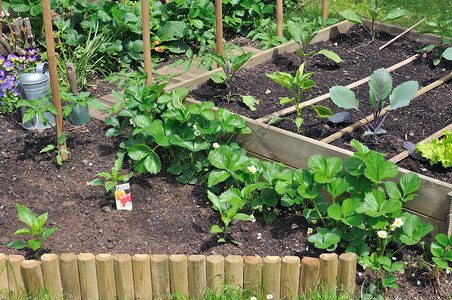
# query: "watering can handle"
[[42, 67], [72, 78]]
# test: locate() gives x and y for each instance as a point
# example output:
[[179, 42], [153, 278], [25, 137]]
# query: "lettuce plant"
[[438, 150]]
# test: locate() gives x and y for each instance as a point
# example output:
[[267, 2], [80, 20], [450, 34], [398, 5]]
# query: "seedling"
[[440, 27]]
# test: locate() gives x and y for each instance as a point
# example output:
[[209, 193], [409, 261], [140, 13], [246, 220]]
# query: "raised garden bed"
[[279, 144]]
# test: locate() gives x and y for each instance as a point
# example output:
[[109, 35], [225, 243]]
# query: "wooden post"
[[234, 271], [15, 282], [88, 276], [252, 273], [105, 276], [50, 47], [69, 276], [32, 276], [50, 264], [3, 273], [146, 41], [279, 18], [215, 273], [219, 26], [178, 274], [124, 276], [324, 10], [290, 277], [141, 265], [309, 275], [272, 276], [448, 212], [160, 276], [1, 26], [346, 274], [328, 270], [197, 279]]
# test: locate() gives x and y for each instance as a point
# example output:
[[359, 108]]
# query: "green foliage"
[[438, 150], [297, 85], [81, 99], [266, 33], [440, 26], [36, 229]]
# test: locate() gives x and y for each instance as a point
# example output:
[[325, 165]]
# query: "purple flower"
[[8, 66], [2, 59], [16, 92], [12, 57]]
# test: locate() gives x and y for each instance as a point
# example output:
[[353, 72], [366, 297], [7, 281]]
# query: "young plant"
[[438, 150], [380, 85], [297, 85], [112, 179], [441, 27], [266, 33], [375, 12], [36, 230], [83, 99]]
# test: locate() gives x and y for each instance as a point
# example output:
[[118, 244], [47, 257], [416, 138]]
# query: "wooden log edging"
[[145, 276]]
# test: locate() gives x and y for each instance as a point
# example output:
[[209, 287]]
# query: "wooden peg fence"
[[142, 276]]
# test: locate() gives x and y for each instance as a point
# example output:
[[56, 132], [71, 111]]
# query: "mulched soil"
[[361, 57]]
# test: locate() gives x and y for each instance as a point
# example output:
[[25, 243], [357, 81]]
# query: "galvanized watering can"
[[34, 86]]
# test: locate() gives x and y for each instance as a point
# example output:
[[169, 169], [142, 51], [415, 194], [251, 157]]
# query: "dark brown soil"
[[425, 115]]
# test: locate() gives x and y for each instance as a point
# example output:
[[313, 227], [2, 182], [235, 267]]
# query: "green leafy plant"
[[297, 85], [82, 99], [440, 26], [374, 8], [37, 230], [438, 150], [266, 33]]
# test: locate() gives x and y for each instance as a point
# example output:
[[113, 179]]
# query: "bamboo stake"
[[50, 47], [370, 118], [52, 276], [315, 100], [124, 276], [290, 277], [197, 279], [309, 275], [3, 272], [160, 276], [141, 265], [88, 276], [271, 276], [324, 10], [252, 273], [448, 212], [105, 276], [32, 275], [219, 26], [215, 273], [146, 41], [279, 18], [328, 270], [346, 274], [405, 153], [69, 276], [402, 34], [234, 271], [178, 274], [16, 284]]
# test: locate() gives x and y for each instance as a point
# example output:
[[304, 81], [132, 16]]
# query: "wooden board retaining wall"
[[143, 276]]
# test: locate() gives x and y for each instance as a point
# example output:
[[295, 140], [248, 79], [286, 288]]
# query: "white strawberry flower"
[[216, 145], [398, 222], [382, 234], [252, 169]]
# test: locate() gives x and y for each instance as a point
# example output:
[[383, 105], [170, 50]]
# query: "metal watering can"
[[34, 86]]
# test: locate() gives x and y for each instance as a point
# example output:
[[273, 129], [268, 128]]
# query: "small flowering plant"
[[10, 69]]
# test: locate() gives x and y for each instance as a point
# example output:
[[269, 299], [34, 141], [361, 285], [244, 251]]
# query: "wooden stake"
[[141, 265], [448, 212], [69, 276], [50, 47], [146, 41], [271, 276], [88, 275], [160, 276], [279, 18], [32, 276], [178, 274], [3, 272], [324, 10], [252, 273], [124, 276], [219, 26], [234, 271], [215, 273], [50, 264], [328, 270], [15, 282], [346, 274], [197, 277], [402, 34], [290, 277], [105, 276], [309, 275]]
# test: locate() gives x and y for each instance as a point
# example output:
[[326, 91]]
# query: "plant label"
[[123, 197]]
